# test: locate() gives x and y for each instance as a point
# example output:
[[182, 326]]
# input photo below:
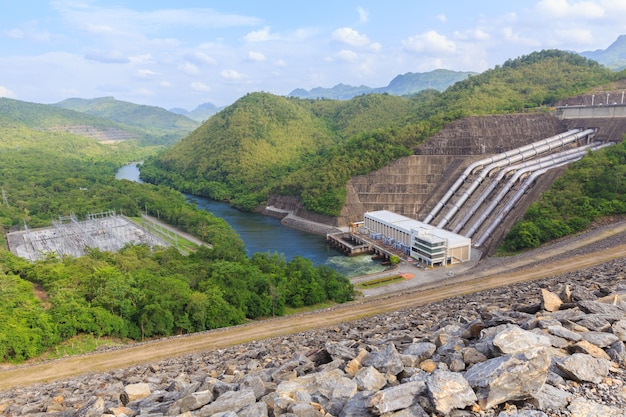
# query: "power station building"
[[428, 244]]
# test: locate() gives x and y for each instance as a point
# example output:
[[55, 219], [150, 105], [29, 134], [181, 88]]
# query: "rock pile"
[[548, 348]]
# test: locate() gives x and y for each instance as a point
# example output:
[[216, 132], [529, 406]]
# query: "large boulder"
[[510, 377]]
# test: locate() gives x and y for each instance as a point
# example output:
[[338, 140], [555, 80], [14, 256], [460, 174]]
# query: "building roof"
[[408, 225]]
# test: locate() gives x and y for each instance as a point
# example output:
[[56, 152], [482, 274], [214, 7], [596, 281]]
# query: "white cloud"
[[430, 42], [112, 56], [280, 63], [262, 35], [442, 18], [564, 9], [5, 92], [189, 68], [363, 14], [473, 35], [198, 86], [141, 59], [146, 73], [231, 74], [350, 36], [256, 56], [347, 56], [202, 58]]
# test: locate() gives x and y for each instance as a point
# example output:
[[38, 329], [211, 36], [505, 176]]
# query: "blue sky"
[[187, 52]]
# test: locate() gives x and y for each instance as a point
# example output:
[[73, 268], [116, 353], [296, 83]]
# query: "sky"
[[183, 53]]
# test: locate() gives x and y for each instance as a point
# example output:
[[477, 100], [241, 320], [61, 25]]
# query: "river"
[[266, 234]]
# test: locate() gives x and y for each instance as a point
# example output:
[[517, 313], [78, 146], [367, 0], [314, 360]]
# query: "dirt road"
[[538, 264]]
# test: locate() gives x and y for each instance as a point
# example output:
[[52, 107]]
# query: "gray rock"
[[449, 390], [191, 402], [510, 377], [387, 361], [523, 413], [229, 401], [564, 333], [369, 379], [335, 385], [415, 410], [305, 410], [358, 405], [256, 384], [617, 352], [595, 322], [420, 351], [609, 311], [515, 339], [472, 356], [94, 408], [580, 407], [341, 350], [583, 367], [619, 329], [550, 397], [600, 339], [395, 398]]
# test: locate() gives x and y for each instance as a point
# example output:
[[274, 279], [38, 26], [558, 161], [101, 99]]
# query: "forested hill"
[[45, 117], [155, 121], [264, 144]]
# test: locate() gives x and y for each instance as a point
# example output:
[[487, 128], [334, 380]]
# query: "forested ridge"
[[145, 125], [265, 144], [137, 293]]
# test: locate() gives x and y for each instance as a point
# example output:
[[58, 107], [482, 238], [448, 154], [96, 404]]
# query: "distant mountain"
[[50, 118], [613, 57], [163, 126], [200, 113], [406, 84]]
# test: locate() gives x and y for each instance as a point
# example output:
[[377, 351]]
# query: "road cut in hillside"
[[539, 264]]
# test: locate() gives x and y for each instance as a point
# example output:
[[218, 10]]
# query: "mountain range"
[[401, 85]]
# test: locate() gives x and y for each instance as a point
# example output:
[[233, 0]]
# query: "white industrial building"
[[428, 244]]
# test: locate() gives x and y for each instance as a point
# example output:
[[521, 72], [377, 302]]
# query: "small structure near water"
[[386, 233]]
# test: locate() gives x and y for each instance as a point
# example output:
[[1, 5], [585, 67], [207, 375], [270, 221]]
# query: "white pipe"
[[505, 210], [485, 161], [502, 173], [533, 151], [558, 161]]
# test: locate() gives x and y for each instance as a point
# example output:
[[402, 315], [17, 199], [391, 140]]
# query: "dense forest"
[[137, 293], [265, 144], [591, 188]]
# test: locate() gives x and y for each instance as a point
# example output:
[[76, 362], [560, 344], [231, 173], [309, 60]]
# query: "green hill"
[[265, 144], [155, 122]]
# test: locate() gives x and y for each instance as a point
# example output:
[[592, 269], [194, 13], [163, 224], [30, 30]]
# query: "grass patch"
[[83, 343], [379, 282], [306, 309]]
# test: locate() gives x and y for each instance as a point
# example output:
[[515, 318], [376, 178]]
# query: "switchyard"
[[106, 231]]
